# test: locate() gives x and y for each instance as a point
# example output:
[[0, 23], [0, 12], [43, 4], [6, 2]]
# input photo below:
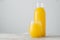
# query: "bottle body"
[[39, 15]]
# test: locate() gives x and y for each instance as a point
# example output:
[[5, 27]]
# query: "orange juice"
[[39, 15], [35, 29]]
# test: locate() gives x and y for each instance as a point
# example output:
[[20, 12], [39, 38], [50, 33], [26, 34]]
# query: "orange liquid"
[[35, 30], [39, 15]]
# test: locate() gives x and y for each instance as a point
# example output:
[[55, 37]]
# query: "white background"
[[16, 15]]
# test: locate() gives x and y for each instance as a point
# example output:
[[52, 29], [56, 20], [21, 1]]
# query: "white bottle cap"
[[40, 4]]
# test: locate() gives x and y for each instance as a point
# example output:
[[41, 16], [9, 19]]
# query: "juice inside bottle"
[[39, 15]]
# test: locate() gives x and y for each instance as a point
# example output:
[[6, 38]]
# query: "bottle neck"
[[39, 5]]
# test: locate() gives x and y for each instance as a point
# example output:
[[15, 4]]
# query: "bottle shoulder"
[[42, 8], [39, 9]]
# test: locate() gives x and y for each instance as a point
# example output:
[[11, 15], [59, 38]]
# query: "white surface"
[[26, 37], [9, 36], [16, 15]]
